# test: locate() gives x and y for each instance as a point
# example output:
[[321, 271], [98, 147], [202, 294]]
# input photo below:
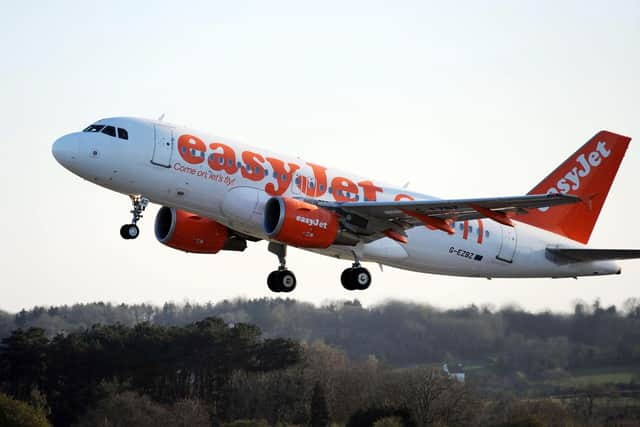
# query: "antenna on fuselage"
[[161, 118], [406, 185]]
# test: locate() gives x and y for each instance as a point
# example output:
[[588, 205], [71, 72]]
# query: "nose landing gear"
[[131, 231], [281, 280]]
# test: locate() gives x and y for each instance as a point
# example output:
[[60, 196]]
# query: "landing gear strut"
[[131, 231], [356, 277], [281, 280]]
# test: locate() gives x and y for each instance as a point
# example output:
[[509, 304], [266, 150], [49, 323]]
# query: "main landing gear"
[[281, 280], [357, 277], [131, 231]]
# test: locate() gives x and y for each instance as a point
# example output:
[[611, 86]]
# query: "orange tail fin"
[[588, 174]]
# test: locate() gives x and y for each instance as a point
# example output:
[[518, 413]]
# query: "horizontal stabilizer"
[[585, 255]]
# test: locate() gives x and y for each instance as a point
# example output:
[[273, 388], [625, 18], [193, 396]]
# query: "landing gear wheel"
[[287, 281], [281, 281], [345, 279], [129, 231], [272, 281], [355, 278], [361, 278]]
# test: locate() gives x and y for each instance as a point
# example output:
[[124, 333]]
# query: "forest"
[[284, 362]]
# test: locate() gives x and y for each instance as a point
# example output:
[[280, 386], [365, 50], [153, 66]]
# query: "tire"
[[272, 281], [286, 281], [361, 278], [346, 279], [123, 232], [132, 231]]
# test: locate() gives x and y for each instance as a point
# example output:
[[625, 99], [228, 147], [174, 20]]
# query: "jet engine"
[[301, 224], [192, 233]]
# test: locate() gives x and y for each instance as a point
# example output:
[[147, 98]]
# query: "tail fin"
[[588, 174]]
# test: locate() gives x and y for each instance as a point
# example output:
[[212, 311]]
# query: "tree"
[[319, 412], [14, 413], [126, 409], [23, 361]]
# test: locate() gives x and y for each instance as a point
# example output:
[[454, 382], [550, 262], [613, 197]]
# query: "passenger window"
[[486, 234], [123, 134], [109, 130]]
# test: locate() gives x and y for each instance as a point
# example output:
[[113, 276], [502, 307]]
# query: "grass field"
[[607, 375]]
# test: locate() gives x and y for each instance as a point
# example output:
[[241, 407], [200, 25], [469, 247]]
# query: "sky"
[[461, 99]]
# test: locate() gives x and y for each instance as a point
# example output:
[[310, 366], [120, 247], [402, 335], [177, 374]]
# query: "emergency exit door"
[[508, 245]]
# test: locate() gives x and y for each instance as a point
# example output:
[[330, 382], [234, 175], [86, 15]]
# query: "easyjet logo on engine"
[[585, 164], [312, 222]]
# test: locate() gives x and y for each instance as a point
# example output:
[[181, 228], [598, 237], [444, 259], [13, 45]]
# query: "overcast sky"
[[459, 98]]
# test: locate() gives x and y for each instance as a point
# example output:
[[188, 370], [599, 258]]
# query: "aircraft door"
[[508, 245], [163, 147]]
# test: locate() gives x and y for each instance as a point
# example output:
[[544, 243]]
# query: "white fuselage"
[[231, 182]]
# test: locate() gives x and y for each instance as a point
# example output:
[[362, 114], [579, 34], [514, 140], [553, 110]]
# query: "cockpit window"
[[123, 134], [109, 130], [93, 128]]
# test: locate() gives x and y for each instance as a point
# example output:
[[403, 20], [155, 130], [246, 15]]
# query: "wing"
[[373, 220]]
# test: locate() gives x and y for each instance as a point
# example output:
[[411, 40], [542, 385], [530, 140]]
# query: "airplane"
[[218, 194]]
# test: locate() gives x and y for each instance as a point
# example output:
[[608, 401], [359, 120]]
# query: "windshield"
[[122, 133], [93, 128]]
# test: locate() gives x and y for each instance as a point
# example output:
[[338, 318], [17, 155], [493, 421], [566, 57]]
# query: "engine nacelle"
[[299, 223], [189, 232]]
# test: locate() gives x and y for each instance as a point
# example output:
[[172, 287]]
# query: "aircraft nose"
[[65, 149]]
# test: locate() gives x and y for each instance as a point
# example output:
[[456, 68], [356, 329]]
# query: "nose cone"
[[65, 150]]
